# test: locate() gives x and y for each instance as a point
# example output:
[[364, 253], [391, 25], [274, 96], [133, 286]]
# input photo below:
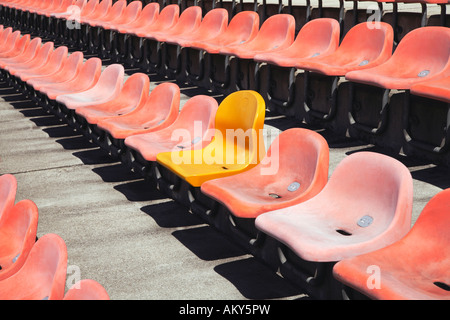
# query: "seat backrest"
[[190, 19], [148, 14], [135, 90], [427, 47], [116, 10], [90, 71], [43, 54], [101, 9], [11, 40], [167, 18], [130, 13], [373, 184], [5, 35], [21, 44], [18, 227], [32, 48], [111, 79], [43, 275], [318, 37], [367, 43], [214, 22], [56, 58], [275, 31], [89, 7], [162, 101], [244, 26], [239, 125]]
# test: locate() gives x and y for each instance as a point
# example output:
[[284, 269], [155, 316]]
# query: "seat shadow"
[[171, 214], [207, 243], [256, 281]]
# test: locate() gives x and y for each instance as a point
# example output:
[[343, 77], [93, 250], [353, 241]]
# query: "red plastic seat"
[[187, 23], [213, 25], [68, 70], [105, 89], [318, 37], [18, 46], [243, 27], [86, 289], [294, 170], [100, 10], [148, 15], [29, 52], [159, 111], [18, 228], [435, 89], [43, 275], [114, 13], [129, 14], [166, 19], [73, 10], [422, 54], [413, 268], [133, 94], [366, 205], [8, 190], [53, 64], [85, 79], [10, 42], [39, 59], [276, 33], [4, 36], [364, 46], [192, 127]]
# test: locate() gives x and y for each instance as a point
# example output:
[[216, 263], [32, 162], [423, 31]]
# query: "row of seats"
[[130, 34], [264, 196], [31, 268]]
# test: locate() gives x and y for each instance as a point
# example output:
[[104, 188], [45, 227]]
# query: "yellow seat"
[[237, 144]]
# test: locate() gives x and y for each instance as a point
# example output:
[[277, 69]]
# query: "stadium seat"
[[38, 60], [433, 89], [214, 23], [166, 19], [240, 115], [105, 89], [294, 170], [68, 70], [129, 14], [243, 27], [159, 111], [148, 14], [53, 64], [99, 12], [29, 52], [414, 267], [8, 190], [421, 55], [85, 79], [318, 37], [193, 126], [43, 275], [86, 289], [366, 205], [276, 33], [188, 22], [18, 228], [18, 45], [10, 42], [133, 94]]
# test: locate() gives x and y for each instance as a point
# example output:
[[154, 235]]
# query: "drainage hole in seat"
[[274, 195], [442, 285], [225, 168], [343, 232]]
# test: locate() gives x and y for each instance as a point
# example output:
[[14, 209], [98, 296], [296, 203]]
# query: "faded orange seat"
[[10, 42], [43, 275], [276, 33], [166, 19], [434, 89], [237, 144], [148, 15], [422, 54], [86, 289], [366, 205], [18, 228], [129, 14], [243, 27], [68, 70], [187, 23], [364, 46], [98, 13], [413, 268], [158, 112], [29, 52], [190, 131], [133, 94], [39, 59], [18, 44], [105, 89], [318, 37], [213, 25], [8, 190], [294, 170]]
